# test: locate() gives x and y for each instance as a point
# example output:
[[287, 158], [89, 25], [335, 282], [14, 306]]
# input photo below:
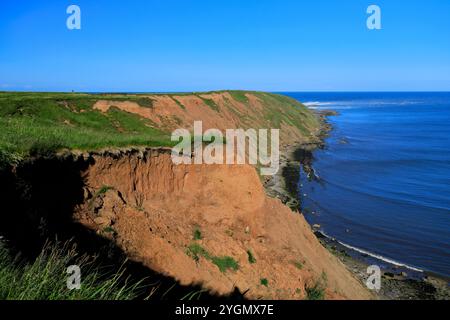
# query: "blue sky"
[[184, 45]]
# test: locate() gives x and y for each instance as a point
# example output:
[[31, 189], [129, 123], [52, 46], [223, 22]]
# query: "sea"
[[382, 182]]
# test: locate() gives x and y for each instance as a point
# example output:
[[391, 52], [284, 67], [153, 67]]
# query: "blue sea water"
[[384, 175]]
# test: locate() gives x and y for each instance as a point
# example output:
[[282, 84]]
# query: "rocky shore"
[[397, 283], [293, 158]]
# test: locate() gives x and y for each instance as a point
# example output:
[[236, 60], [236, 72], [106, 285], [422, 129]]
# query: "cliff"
[[185, 221], [207, 225]]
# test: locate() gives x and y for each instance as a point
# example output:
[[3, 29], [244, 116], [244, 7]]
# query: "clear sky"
[[187, 45]]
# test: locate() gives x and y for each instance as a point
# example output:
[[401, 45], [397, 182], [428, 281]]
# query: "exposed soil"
[[215, 110], [136, 203], [151, 209]]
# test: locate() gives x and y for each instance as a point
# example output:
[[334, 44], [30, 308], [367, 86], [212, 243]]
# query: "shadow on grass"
[[38, 199]]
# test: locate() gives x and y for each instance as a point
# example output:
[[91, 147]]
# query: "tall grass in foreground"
[[46, 277]]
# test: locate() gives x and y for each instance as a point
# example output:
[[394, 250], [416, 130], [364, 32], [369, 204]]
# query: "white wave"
[[373, 255], [316, 103], [359, 103]]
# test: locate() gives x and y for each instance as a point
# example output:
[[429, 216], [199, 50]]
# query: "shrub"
[[316, 292]]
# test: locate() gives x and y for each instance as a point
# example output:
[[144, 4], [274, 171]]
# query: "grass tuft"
[[195, 251], [178, 103], [298, 264], [104, 189], [317, 291], [251, 257], [264, 282], [210, 103], [224, 263], [45, 278], [197, 234]]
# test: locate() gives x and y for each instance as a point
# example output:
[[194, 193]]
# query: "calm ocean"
[[384, 176]]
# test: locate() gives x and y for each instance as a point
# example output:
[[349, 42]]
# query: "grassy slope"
[[45, 278], [290, 111], [39, 122], [34, 123]]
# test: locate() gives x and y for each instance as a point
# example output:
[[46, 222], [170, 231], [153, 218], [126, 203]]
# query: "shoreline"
[[399, 281]]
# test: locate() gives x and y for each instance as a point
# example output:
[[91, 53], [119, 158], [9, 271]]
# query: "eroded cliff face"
[[208, 225], [151, 208], [223, 110]]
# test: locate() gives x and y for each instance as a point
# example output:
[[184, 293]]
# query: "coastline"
[[399, 281]]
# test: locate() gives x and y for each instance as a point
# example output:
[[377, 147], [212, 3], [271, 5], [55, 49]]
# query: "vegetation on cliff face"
[[41, 123]]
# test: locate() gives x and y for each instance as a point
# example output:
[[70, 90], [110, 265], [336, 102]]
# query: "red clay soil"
[[152, 208], [169, 112]]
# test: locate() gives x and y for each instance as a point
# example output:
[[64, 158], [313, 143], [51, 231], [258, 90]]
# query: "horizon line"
[[222, 90]]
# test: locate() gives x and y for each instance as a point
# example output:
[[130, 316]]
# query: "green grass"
[[194, 295], [251, 257], [195, 251], [178, 103], [109, 230], [317, 291], [46, 279], [239, 96], [264, 282], [224, 263], [104, 189], [145, 102], [34, 123], [43, 123], [289, 111], [210, 103], [298, 264], [197, 234]]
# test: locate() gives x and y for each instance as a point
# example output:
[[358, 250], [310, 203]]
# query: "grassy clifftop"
[[36, 123]]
